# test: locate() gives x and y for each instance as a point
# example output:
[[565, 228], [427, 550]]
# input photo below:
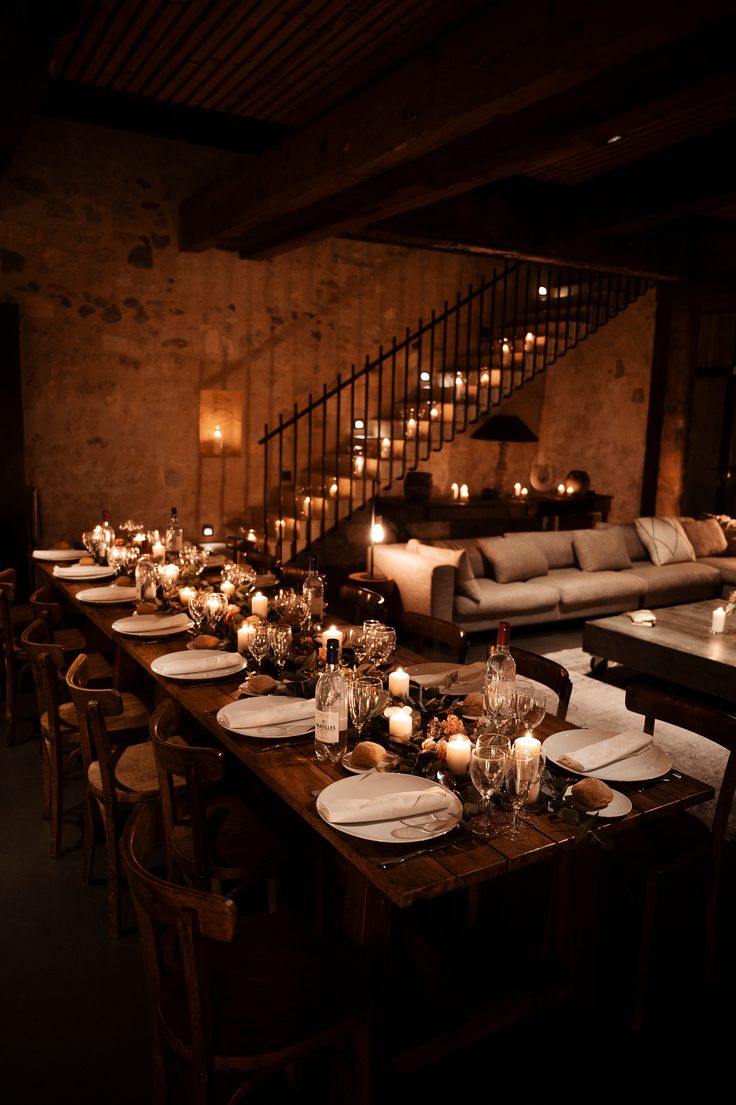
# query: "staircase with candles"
[[330, 456]]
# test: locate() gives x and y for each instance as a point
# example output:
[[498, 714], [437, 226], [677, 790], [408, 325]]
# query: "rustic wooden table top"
[[680, 648]]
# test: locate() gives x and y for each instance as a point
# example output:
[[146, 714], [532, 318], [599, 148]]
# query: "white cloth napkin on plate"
[[469, 677], [591, 757], [255, 713], [87, 570], [144, 623], [191, 663], [386, 807]]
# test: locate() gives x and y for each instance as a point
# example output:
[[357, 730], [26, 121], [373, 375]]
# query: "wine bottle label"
[[327, 726]]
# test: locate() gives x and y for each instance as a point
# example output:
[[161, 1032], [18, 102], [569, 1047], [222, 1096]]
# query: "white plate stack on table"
[[79, 572], [459, 679], [390, 808], [626, 757], [269, 717], [58, 554], [152, 625], [109, 596], [198, 666]]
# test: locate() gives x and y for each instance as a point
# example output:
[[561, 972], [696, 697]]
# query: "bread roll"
[[367, 754], [260, 684], [62, 545], [86, 560], [123, 581], [473, 703], [206, 640], [146, 608], [591, 794]]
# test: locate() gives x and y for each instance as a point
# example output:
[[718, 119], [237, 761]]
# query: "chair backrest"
[[195, 916], [658, 702], [201, 768], [419, 631], [47, 662], [43, 605], [360, 604], [93, 706], [550, 674]]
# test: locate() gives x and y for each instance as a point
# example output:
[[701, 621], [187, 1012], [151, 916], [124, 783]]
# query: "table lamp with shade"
[[503, 428]]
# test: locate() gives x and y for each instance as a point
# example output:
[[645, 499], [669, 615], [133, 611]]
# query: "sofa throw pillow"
[[513, 558], [465, 582], [601, 550], [665, 540], [634, 547], [705, 535], [470, 544]]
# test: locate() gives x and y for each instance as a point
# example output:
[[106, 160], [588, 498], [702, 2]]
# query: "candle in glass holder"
[[244, 636], [718, 620], [259, 605], [227, 587], [398, 683], [333, 634], [530, 746], [458, 754], [168, 574], [400, 723], [158, 552]]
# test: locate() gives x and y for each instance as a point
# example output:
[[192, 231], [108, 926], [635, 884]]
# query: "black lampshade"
[[504, 427]]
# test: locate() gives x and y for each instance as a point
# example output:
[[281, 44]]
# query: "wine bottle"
[[174, 535], [313, 590], [331, 709], [500, 667]]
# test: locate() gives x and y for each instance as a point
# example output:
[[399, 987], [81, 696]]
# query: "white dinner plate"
[[225, 670], [78, 572], [377, 784], [164, 631], [619, 805], [650, 764], [108, 594], [58, 554], [285, 729], [470, 678]]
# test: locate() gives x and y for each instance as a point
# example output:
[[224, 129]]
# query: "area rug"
[[599, 701]]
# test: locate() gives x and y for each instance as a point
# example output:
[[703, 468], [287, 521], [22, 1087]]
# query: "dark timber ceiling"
[[595, 133]]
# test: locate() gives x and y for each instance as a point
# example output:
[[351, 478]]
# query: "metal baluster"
[[418, 393], [325, 489], [405, 451], [456, 357], [379, 411], [468, 329], [443, 371], [392, 407], [492, 347], [337, 448], [280, 519], [295, 482], [479, 368], [310, 491], [265, 487]]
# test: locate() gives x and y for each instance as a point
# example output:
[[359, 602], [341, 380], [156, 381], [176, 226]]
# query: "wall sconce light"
[[220, 423]]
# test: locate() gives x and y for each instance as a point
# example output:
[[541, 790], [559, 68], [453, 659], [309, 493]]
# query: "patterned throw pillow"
[[665, 540]]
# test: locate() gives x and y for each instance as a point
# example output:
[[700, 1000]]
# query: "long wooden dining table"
[[372, 892]]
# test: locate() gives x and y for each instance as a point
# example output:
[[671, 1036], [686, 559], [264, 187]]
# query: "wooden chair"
[[421, 632], [237, 997], [70, 638], [542, 670], [220, 838], [683, 841], [117, 777], [15, 662], [360, 604]]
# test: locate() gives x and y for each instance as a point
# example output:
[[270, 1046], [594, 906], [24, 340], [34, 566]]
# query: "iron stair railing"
[[330, 456]]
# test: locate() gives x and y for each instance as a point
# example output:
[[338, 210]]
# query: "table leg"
[[367, 913]]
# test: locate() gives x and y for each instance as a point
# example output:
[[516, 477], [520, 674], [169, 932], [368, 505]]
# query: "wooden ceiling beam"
[[503, 61]]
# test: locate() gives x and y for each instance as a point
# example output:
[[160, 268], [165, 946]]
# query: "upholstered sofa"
[[558, 575]]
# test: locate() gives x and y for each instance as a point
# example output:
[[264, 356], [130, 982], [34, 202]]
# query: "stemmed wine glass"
[[531, 704], [280, 638], [364, 695], [524, 770], [259, 642], [488, 765], [500, 706], [198, 609], [215, 605], [355, 639]]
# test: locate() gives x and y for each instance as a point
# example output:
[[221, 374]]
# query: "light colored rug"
[[600, 702]]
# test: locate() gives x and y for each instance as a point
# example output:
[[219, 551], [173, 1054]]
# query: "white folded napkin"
[[591, 757], [468, 677], [179, 663], [144, 623], [386, 807], [79, 570], [255, 713]]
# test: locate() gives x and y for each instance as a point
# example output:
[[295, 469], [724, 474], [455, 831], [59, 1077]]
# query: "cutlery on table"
[[394, 861]]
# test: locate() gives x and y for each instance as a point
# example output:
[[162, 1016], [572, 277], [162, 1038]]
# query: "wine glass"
[[524, 770], [488, 766], [531, 704], [499, 705], [215, 605], [259, 643], [198, 609], [280, 637], [364, 695], [386, 643], [355, 639]]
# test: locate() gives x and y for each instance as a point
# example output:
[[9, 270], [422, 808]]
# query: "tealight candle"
[[333, 634], [458, 754], [464, 493], [530, 746], [718, 620], [158, 552], [398, 683], [454, 490], [525, 491], [400, 723], [244, 635], [227, 587], [259, 605], [185, 594]]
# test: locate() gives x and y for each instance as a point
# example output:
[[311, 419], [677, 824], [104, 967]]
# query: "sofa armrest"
[[423, 586]]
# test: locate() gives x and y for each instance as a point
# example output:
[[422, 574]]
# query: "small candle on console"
[[718, 620], [458, 754], [158, 552], [333, 634], [244, 635], [259, 605], [227, 587], [400, 722], [398, 683], [525, 491], [517, 488], [569, 490], [560, 489], [454, 490], [464, 493]]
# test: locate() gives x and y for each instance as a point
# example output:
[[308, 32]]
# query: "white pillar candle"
[[530, 746], [718, 620], [464, 493], [259, 605], [227, 587], [158, 552], [400, 723], [517, 489], [454, 490], [185, 594], [398, 683], [333, 634], [458, 754], [244, 635]]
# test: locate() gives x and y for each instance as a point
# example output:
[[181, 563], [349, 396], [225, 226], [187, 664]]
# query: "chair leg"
[[112, 866], [45, 779], [711, 939], [361, 1049], [88, 839], [56, 783], [645, 951], [272, 891], [11, 693]]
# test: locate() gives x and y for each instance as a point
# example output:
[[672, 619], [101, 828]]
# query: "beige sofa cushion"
[[725, 566], [669, 584], [465, 581], [579, 590], [513, 558], [501, 599], [601, 550], [634, 547], [470, 544], [665, 540], [557, 547], [706, 536]]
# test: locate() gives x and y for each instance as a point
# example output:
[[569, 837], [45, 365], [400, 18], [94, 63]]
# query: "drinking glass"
[[531, 704], [356, 640], [281, 637], [117, 556], [499, 701], [364, 695], [215, 605], [91, 541], [488, 766], [259, 642], [198, 608], [524, 770]]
